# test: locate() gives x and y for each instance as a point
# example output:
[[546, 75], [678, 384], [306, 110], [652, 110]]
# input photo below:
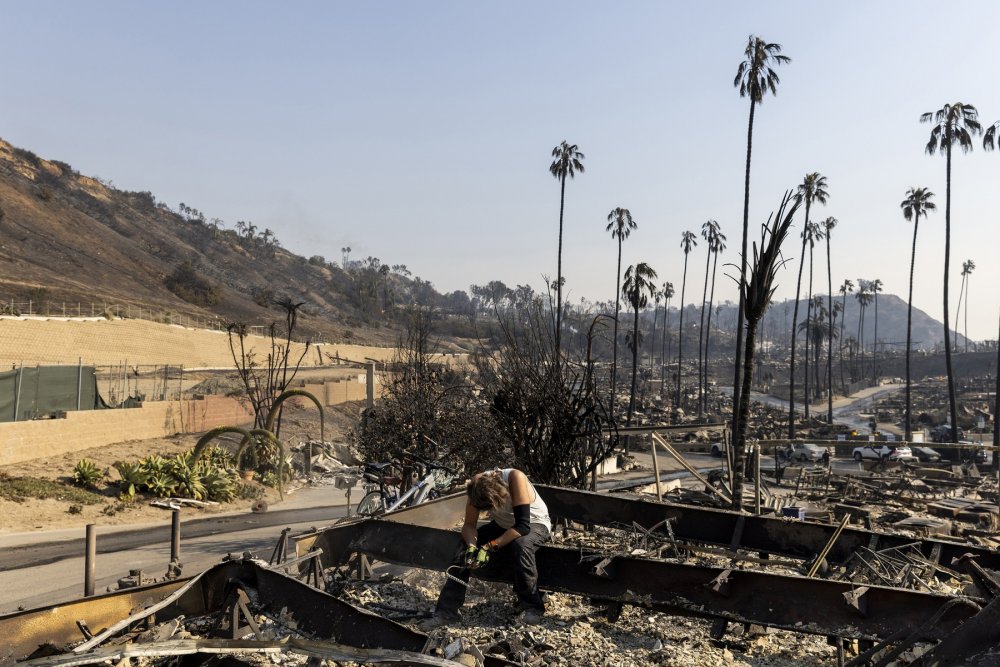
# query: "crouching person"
[[519, 524]]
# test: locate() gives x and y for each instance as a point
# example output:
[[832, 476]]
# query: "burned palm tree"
[[758, 290]]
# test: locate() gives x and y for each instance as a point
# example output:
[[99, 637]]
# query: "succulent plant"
[[86, 473]]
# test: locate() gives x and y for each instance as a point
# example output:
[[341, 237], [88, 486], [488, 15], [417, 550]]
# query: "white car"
[[806, 451], [883, 451]]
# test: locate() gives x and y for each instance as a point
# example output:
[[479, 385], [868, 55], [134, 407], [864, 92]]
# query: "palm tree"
[[718, 245], [668, 293], [846, 288], [874, 287], [757, 292], [568, 161], [688, 242], [755, 76], [657, 295], [917, 203], [620, 224], [967, 268], [814, 233], [639, 286], [813, 187], [708, 232], [864, 298], [954, 125], [828, 226]]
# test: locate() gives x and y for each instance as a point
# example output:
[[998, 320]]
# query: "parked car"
[[806, 451], [926, 455], [880, 451], [717, 449]]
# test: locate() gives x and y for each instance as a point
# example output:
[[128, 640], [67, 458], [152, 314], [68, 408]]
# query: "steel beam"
[[814, 606], [773, 535], [317, 613]]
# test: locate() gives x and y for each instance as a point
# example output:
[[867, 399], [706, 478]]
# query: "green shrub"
[[133, 478], [87, 474]]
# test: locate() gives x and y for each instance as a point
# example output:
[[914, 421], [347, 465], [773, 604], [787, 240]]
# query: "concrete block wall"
[[24, 441]]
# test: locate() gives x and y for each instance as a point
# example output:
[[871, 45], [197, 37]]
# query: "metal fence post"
[[91, 555], [175, 536]]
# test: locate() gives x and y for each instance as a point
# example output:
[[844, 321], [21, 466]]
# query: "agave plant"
[[161, 484], [86, 473], [154, 464], [219, 485], [133, 478]]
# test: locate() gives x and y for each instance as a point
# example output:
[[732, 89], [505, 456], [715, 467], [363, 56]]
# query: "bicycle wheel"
[[372, 504]]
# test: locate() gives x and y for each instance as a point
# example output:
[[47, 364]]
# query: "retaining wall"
[[24, 441]]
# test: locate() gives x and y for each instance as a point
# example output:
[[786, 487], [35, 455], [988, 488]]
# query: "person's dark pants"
[[518, 556]]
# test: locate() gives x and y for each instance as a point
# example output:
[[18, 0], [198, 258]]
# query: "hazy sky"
[[420, 132]]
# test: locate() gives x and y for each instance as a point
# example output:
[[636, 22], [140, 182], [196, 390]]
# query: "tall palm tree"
[[755, 77], [688, 242], [657, 295], [874, 287], [568, 161], [864, 298], [708, 232], [620, 224], [846, 288], [813, 188], [954, 125], [668, 293], [967, 267], [828, 226], [917, 203], [639, 286], [815, 233], [718, 245]]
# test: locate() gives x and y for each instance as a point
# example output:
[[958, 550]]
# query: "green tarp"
[[45, 390]]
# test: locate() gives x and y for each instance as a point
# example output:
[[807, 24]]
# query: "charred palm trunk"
[[996, 411], [618, 305], [795, 324], [680, 338], [741, 314], [562, 205], [635, 366], [952, 405], [739, 446], [843, 318], [829, 349], [701, 337], [809, 323], [708, 324], [909, 332]]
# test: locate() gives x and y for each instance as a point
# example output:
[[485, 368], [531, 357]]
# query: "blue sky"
[[420, 132]]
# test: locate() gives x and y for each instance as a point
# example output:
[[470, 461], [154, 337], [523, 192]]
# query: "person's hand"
[[476, 557]]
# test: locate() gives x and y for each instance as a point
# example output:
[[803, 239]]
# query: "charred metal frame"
[[771, 535], [814, 606], [316, 613]]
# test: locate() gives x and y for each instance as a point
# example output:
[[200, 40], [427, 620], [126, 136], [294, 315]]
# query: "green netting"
[[45, 390]]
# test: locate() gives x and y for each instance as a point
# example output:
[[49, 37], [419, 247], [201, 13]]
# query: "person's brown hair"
[[487, 492]]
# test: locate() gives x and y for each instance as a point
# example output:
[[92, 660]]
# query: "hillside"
[[65, 237]]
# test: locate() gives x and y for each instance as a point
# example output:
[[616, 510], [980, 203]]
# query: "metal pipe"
[[79, 381], [756, 478], [89, 558], [175, 536], [17, 392], [656, 471]]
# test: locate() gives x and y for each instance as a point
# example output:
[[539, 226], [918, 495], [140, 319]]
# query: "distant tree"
[[668, 294], [620, 224], [709, 230], [967, 268], [846, 288], [688, 242], [812, 188], [755, 76], [345, 256], [828, 226], [568, 161], [718, 245], [917, 203], [874, 287], [954, 125], [639, 286]]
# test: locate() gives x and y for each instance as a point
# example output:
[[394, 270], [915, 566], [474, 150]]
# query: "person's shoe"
[[530, 617], [438, 620]]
